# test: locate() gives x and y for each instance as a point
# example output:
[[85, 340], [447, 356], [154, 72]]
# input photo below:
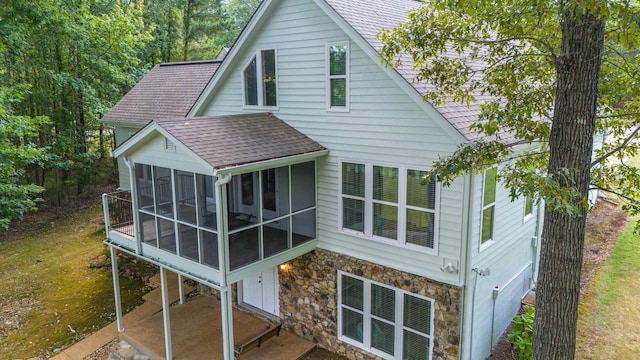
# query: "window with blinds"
[[389, 322], [389, 203]]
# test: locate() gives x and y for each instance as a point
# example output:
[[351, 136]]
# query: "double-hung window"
[[386, 321], [338, 76], [393, 204], [488, 205], [259, 79]]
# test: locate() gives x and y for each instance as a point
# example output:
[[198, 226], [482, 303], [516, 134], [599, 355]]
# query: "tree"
[[554, 78], [17, 151]]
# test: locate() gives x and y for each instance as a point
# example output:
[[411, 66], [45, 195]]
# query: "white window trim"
[[526, 217], [329, 77], [259, 76], [491, 241], [401, 241], [398, 325]]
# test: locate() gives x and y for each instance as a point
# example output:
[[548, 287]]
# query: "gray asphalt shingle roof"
[[168, 90], [227, 141], [368, 17]]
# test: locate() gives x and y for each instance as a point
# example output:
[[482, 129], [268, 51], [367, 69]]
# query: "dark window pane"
[[353, 214], [383, 302], [251, 84], [385, 221], [352, 323], [338, 92], [269, 78], [337, 60], [353, 179], [420, 193], [415, 346], [383, 336], [385, 184], [420, 228], [352, 292], [243, 248], [417, 314]]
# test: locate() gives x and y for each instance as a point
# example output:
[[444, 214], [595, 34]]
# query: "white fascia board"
[[230, 60], [268, 164], [391, 72]]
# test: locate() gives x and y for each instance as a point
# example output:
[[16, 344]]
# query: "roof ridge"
[[192, 62]]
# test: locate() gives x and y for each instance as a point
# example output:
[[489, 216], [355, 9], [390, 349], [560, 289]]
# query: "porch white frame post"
[[165, 314], [226, 298], [180, 289], [116, 288]]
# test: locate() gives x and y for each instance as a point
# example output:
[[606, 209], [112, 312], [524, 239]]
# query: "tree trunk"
[[570, 143]]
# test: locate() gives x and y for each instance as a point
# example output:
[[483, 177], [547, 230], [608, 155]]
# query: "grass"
[[608, 315], [50, 295]]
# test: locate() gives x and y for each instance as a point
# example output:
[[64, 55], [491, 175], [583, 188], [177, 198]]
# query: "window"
[[488, 204], [338, 79], [259, 79], [528, 207], [389, 203], [389, 322]]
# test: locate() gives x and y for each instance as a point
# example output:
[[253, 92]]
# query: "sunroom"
[[216, 199]]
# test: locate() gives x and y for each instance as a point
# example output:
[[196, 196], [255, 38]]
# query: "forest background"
[[64, 64]]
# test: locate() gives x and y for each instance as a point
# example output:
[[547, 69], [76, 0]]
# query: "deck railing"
[[119, 210]]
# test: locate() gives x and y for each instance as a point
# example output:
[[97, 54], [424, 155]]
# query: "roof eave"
[[268, 164]]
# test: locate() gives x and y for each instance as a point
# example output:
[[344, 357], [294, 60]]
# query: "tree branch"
[[626, 197], [617, 148]]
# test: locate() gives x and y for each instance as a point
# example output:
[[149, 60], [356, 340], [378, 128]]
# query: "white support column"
[[226, 300], [180, 289], [165, 314], [116, 288]]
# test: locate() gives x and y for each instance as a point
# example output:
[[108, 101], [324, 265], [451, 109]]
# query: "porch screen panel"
[[275, 236], [206, 201], [144, 187], [186, 196], [304, 227], [209, 249], [243, 248], [163, 191], [149, 229], [188, 239], [275, 192], [303, 186], [166, 235]]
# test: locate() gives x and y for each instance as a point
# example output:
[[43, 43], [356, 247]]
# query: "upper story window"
[[389, 203], [260, 80], [488, 204], [338, 76], [528, 207]]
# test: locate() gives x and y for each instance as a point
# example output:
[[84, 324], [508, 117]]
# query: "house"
[[302, 149]]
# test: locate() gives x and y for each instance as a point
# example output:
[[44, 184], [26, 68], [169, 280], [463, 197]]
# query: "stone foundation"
[[308, 301]]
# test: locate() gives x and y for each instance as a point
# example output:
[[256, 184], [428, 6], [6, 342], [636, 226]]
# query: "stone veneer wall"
[[308, 301]]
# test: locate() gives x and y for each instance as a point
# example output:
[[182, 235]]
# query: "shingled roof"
[[168, 90], [368, 17], [233, 140]]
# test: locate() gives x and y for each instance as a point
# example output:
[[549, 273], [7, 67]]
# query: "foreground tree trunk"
[[571, 141]]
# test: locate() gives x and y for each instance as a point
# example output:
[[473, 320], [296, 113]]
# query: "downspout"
[[226, 300], [134, 203], [467, 271]]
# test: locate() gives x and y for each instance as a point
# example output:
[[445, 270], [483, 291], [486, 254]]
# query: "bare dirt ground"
[[604, 224]]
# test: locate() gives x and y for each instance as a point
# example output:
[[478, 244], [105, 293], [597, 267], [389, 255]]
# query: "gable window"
[[389, 322], [488, 204], [337, 76], [389, 203], [259, 80]]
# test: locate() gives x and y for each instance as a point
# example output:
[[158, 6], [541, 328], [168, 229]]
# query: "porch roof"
[[232, 141]]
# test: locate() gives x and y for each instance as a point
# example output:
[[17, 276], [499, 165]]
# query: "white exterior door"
[[261, 291]]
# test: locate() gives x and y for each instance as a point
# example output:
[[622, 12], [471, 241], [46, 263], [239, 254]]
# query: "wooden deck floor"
[[196, 334]]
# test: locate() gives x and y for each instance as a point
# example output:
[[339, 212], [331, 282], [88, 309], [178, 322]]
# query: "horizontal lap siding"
[[384, 125], [509, 259]]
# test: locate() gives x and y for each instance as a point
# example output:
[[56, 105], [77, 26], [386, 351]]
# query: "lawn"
[[55, 288], [608, 316]]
